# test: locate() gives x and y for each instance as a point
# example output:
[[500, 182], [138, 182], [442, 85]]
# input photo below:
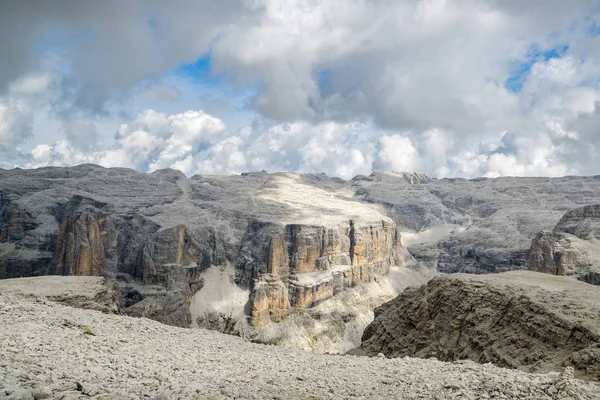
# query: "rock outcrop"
[[164, 294], [91, 293], [572, 248], [306, 264], [525, 320]]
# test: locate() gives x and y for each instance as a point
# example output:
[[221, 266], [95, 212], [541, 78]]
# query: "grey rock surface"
[[88, 292], [476, 226], [289, 242], [521, 319], [118, 357], [572, 248]]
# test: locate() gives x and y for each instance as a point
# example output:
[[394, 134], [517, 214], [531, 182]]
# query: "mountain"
[[269, 255]]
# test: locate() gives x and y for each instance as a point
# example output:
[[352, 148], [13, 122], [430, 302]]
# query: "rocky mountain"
[[525, 320], [476, 226], [263, 254], [280, 243], [572, 248]]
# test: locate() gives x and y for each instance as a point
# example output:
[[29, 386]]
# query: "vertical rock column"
[[308, 264]]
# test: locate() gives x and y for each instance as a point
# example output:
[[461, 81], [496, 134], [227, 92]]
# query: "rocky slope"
[[88, 292], [48, 350], [526, 320], [278, 245], [287, 242], [572, 248], [476, 226]]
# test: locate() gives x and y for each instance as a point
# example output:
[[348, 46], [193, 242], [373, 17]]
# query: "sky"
[[450, 88]]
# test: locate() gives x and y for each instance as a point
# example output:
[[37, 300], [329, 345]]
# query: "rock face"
[[306, 264], [289, 242], [293, 244], [524, 320], [572, 248]]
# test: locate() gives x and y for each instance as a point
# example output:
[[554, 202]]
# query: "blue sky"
[[515, 82]]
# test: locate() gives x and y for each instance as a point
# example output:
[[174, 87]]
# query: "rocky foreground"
[[527, 320], [49, 350]]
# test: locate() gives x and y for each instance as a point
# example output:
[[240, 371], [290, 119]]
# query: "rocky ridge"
[[280, 245], [526, 320], [572, 248], [289, 243], [118, 357], [87, 292], [480, 225]]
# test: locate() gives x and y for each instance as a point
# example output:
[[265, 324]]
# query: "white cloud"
[[397, 153], [336, 87], [16, 120]]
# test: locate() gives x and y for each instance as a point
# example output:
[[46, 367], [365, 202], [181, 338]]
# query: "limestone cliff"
[[287, 243], [155, 236], [86, 240], [522, 319], [572, 248], [303, 265]]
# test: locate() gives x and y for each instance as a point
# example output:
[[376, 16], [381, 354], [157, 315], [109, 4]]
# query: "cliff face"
[[21, 254], [524, 320], [306, 264], [572, 249], [289, 242], [552, 253], [154, 236], [86, 244]]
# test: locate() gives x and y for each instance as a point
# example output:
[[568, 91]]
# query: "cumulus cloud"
[[340, 88], [198, 143], [17, 110], [397, 154], [15, 123]]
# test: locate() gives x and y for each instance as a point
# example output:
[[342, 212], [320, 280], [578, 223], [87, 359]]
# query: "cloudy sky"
[[447, 87]]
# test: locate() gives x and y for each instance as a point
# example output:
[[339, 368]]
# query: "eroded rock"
[[524, 320], [572, 248]]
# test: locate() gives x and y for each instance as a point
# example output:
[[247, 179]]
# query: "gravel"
[[49, 350]]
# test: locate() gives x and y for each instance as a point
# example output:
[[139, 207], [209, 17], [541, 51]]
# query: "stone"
[[41, 393], [21, 394], [526, 320], [571, 249], [161, 361]]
